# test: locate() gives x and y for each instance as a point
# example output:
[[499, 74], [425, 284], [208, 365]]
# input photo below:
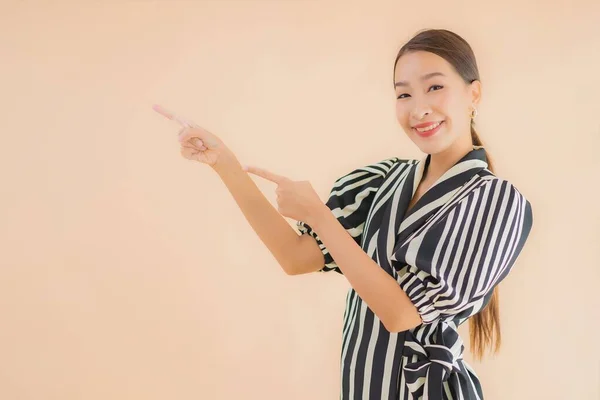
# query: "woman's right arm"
[[295, 254]]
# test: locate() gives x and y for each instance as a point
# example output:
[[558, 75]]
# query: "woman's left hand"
[[295, 199]]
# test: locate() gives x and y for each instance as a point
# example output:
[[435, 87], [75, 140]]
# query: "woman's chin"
[[430, 145]]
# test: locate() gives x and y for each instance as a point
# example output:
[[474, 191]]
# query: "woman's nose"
[[420, 110], [419, 113]]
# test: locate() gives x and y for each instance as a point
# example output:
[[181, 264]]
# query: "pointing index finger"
[[172, 116], [263, 173]]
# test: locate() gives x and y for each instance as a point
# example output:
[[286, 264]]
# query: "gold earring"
[[474, 113]]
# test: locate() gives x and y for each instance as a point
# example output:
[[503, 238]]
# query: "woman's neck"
[[443, 161]]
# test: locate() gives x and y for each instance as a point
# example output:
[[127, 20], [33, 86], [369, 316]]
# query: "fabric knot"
[[433, 365]]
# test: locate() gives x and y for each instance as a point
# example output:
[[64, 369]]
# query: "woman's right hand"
[[197, 143]]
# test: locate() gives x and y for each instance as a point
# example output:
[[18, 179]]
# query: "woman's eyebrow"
[[423, 78]]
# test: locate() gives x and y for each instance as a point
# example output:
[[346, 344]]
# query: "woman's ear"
[[475, 92]]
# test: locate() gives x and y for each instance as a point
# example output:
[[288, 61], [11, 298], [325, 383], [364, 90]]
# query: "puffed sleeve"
[[350, 200], [452, 267]]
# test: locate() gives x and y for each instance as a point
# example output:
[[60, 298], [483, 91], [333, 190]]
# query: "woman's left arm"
[[298, 200], [376, 287], [485, 234], [451, 267]]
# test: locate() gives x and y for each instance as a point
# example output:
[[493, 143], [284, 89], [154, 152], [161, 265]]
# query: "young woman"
[[423, 243]]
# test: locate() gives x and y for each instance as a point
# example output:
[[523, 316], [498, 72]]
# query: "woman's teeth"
[[430, 127]]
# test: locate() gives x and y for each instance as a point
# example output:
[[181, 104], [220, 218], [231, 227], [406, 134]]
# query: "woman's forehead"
[[413, 67]]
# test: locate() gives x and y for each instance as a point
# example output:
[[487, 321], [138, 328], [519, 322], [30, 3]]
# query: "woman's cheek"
[[402, 116], [443, 104]]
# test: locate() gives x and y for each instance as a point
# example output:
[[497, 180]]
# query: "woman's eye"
[[404, 95]]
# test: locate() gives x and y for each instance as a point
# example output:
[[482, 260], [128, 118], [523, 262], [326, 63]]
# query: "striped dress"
[[447, 253]]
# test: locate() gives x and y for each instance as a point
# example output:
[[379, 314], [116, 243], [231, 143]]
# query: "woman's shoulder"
[[381, 167], [501, 191], [491, 179]]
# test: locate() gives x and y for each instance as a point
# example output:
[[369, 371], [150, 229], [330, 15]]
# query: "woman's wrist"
[[319, 216], [226, 164]]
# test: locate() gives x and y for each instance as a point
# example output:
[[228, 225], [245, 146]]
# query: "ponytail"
[[484, 327]]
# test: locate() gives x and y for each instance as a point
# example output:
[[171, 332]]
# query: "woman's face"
[[434, 103]]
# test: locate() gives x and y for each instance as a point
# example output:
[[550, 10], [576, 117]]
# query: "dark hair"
[[484, 326]]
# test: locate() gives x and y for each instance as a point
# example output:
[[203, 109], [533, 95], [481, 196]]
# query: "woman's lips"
[[430, 132]]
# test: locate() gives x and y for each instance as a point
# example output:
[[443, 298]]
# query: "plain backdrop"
[[130, 273]]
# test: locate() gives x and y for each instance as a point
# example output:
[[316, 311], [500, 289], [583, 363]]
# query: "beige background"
[[129, 273]]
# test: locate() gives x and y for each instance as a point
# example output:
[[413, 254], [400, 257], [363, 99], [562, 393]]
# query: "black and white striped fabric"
[[447, 253]]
